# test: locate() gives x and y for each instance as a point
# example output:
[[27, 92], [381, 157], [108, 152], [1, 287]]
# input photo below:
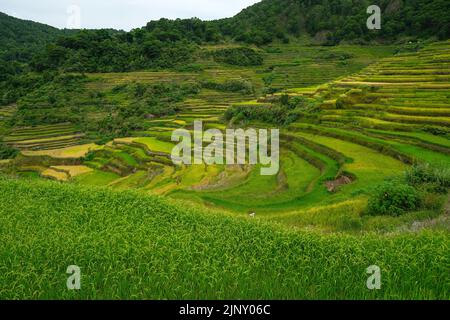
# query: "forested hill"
[[168, 43], [20, 37], [271, 19], [333, 20], [338, 20]]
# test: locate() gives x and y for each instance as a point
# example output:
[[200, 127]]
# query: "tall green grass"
[[133, 246]]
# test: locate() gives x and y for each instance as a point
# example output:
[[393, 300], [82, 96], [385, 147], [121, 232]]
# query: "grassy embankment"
[[133, 246]]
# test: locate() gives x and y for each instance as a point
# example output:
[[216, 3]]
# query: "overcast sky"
[[118, 14]]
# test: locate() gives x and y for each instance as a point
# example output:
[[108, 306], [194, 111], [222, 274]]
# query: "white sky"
[[118, 14]]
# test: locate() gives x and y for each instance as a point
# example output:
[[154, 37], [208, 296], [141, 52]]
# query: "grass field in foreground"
[[133, 246]]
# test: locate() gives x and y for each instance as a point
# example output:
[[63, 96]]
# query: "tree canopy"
[[171, 43]]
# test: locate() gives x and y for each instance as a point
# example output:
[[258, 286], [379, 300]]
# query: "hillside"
[[154, 249], [174, 43], [363, 179], [18, 38], [20, 42], [329, 21], [335, 20], [369, 125]]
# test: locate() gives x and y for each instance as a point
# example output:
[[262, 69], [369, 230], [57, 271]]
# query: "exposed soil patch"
[[443, 220], [333, 186], [233, 176]]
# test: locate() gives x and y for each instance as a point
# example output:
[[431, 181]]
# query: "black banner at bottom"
[[222, 309]]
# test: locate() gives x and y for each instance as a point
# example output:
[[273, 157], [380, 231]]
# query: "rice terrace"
[[87, 176]]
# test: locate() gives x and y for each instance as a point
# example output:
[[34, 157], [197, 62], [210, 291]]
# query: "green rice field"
[[142, 227]]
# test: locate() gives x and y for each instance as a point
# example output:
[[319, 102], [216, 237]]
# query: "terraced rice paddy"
[[184, 231], [375, 111], [48, 137], [300, 67], [77, 151]]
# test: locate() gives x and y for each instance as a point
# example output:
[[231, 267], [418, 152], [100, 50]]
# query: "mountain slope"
[[18, 37], [162, 43], [343, 19], [132, 246], [271, 19]]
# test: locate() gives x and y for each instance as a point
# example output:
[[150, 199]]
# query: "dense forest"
[[337, 20], [18, 35], [32, 47], [333, 20], [168, 43]]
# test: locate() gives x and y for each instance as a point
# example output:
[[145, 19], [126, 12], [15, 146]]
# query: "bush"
[[437, 131], [424, 173], [342, 56], [408, 47], [192, 67], [340, 104], [238, 56], [6, 152], [394, 198], [308, 106], [234, 85], [273, 114], [283, 112], [432, 201]]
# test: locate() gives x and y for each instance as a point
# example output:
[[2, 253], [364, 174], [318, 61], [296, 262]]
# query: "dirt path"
[[443, 221]]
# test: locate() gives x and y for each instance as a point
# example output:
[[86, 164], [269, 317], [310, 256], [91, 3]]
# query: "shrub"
[[284, 100], [192, 67], [340, 104], [342, 56], [233, 85], [238, 56], [89, 156], [119, 88], [6, 152], [273, 114], [408, 47], [393, 198], [432, 201], [437, 131], [308, 106], [424, 173]]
